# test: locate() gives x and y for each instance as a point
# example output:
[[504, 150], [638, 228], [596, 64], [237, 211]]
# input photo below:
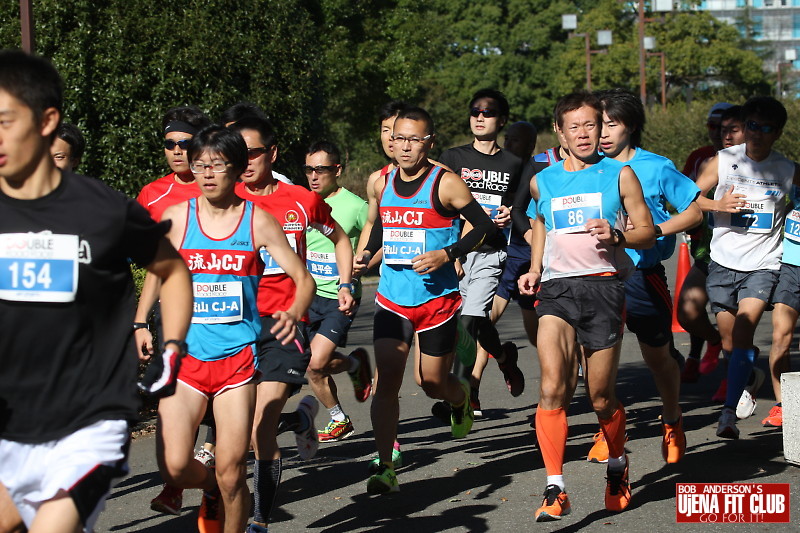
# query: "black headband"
[[178, 125]]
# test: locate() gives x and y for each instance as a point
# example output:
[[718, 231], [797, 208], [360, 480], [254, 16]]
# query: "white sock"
[[354, 364], [556, 480], [616, 463], [337, 413]]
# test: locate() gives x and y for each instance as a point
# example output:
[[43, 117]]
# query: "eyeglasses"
[[487, 113], [255, 153], [400, 139], [198, 167], [183, 144], [319, 169], [752, 125]]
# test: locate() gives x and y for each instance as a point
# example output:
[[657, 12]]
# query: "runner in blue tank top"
[[419, 204], [578, 256], [219, 236]]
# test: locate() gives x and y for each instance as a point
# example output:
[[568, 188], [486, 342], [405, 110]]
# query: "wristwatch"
[[345, 286], [659, 233], [140, 325]]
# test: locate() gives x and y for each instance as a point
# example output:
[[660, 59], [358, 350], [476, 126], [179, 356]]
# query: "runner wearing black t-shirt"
[[65, 244]]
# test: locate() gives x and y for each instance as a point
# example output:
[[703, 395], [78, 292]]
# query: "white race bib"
[[402, 245], [271, 267], [38, 267], [217, 303], [570, 213], [792, 230], [322, 265]]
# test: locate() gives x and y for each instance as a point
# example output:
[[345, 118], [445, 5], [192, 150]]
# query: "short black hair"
[[70, 134], [391, 109], [625, 107], [574, 101], [224, 141], [418, 114], [334, 154], [733, 112], [765, 107], [240, 110], [189, 114], [31, 79], [495, 95], [260, 124]]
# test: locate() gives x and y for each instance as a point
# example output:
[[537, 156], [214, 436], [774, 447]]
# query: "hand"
[[161, 375], [601, 230], [503, 217], [284, 328], [360, 263], [429, 261], [346, 301], [459, 269], [528, 283], [731, 203], [144, 343]]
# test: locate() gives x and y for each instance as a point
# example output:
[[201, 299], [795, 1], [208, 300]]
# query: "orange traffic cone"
[[683, 269]]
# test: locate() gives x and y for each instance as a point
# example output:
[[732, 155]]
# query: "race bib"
[[489, 201], [402, 245], [38, 267], [271, 267], [217, 303], [570, 213], [756, 216], [322, 265], [792, 230]]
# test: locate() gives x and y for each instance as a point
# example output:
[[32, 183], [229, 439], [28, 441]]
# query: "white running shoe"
[[727, 424], [747, 401], [205, 456], [307, 442]]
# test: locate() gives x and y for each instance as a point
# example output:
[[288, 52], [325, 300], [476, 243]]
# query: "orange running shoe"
[[599, 451], [554, 505], [774, 418], [673, 444], [618, 489], [209, 517]]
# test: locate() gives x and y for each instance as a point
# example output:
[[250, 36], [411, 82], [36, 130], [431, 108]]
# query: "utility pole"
[[26, 23]]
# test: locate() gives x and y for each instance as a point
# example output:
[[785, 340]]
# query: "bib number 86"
[[29, 277], [575, 217]]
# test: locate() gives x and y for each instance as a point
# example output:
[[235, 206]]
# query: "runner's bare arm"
[[176, 292], [344, 263], [707, 179], [643, 234], [529, 282], [366, 258], [687, 219]]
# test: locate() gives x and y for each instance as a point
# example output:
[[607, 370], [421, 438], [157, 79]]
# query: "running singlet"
[[412, 226], [350, 212], [549, 156], [295, 208], [661, 184], [225, 276], [164, 192], [751, 239], [567, 200]]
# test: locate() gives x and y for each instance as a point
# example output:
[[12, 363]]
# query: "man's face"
[[260, 158], [758, 141], [61, 151], [213, 185], [410, 150], [483, 127], [714, 135], [23, 140], [386, 136], [580, 130], [322, 173], [177, 157], [732, 132], [614, 137], [519, 141]]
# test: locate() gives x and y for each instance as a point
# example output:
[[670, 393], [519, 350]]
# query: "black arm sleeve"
[[522, 199], [482, 229], [375, 240]]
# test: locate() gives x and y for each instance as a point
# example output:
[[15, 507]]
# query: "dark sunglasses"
[[183, 144], [319, 169], [752, 125], [487, 113], [255, 153]]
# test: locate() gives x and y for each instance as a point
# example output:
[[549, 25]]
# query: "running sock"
[[739, 369], [337, 413], [696, 346], [614, 431], [291, 422], [551, 434], [483, 331], [211, 434], [616, 463], [266, 478], [556, 480], [355, 364]]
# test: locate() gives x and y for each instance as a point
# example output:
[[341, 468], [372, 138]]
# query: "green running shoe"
[[375, 463], [383, 482], [462, 416]]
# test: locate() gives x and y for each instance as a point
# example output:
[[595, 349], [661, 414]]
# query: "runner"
[[492, 175], [283, 366], [328, 323], [578, 257], [68, 147], [68, 385], [648, 304], [419, 204], [241, 110], [220, 236], [751, 182]]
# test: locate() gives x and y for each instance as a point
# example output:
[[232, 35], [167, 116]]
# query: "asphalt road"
[[492, 480]]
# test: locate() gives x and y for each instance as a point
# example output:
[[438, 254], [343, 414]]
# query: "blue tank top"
[[412, 226], [225, 274], [791, 233]]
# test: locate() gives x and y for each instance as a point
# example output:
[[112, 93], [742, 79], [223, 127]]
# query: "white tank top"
[[751, 239]]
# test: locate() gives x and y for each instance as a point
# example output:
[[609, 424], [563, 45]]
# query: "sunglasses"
[[487, 113], [319, 169], [255, 153], [183, 144], [752, 125]]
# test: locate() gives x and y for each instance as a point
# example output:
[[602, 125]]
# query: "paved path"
[[492, 480]]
